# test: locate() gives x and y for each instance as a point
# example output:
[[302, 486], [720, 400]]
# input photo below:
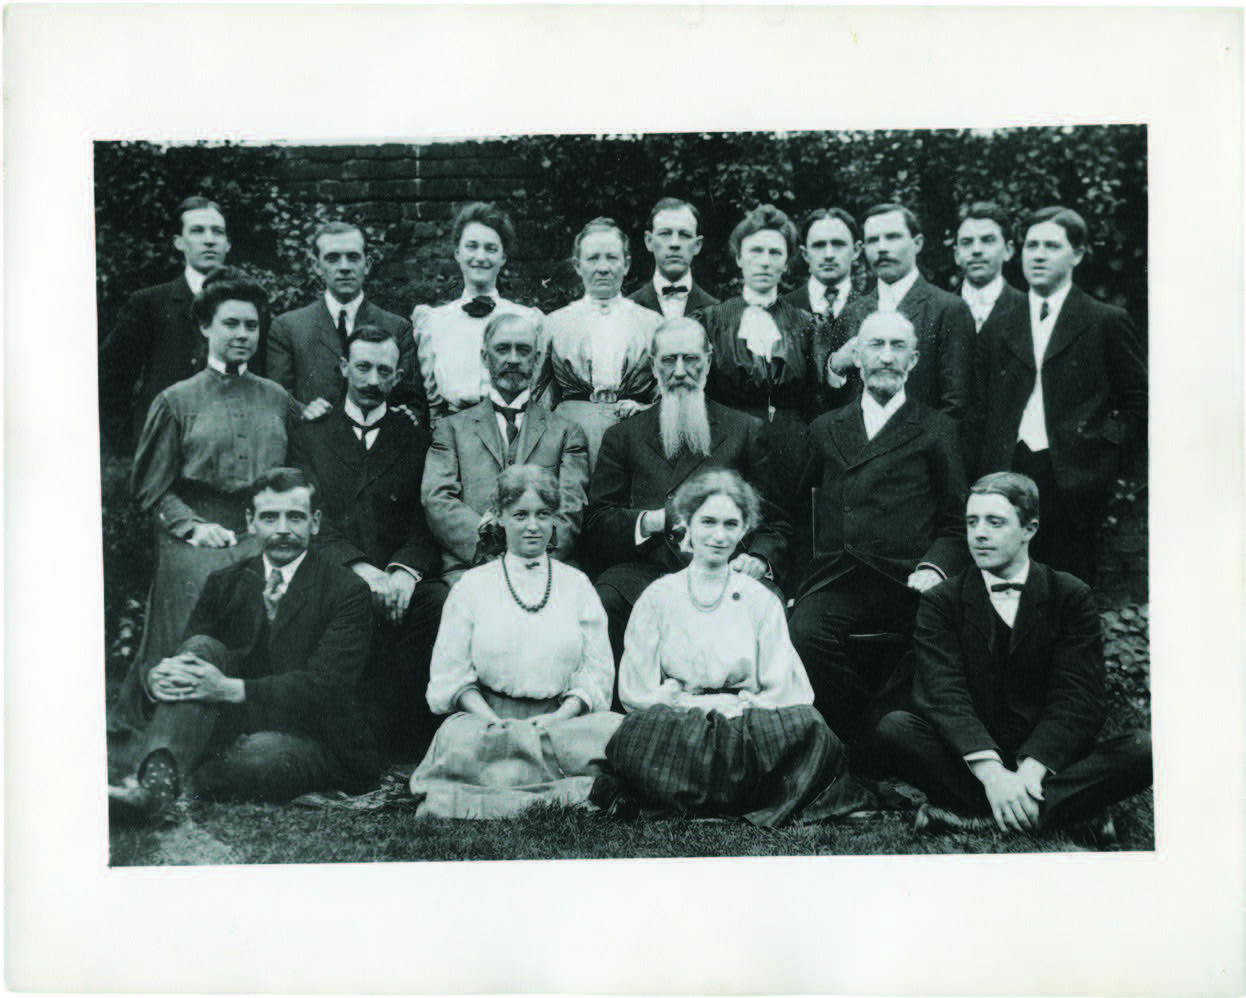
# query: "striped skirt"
[[768, 766]]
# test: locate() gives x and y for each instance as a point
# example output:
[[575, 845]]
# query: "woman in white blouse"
[[720, 717], [599, 367], [522, 663], [448, 337]]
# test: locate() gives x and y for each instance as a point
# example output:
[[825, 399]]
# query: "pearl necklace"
[[712, 605], [549, 580]]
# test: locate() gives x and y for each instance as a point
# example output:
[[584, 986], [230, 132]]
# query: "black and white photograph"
[[496, 479]]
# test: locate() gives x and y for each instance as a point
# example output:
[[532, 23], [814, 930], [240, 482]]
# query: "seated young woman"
[[720, 719], [522, 664]]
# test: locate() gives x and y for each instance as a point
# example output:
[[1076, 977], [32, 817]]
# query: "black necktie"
[[1043, 311], [673, 289], [511, 415], [364, 428], [341, 330], [1003, 587], [233, 368], [480, 306]]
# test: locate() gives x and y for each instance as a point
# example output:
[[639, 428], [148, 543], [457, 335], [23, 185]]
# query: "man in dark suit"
[[471, 449], [1074, 428], [983, 245], [944, 324], [155, 342], [673, 237], [257, 703], [306, 346], [630, 529], [832, 245], [1009, 686], [887, 522], [367, 461]]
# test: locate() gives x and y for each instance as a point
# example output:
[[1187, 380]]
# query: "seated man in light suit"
[[306, 346], [630, 525], [1009, 688], [471, 448]]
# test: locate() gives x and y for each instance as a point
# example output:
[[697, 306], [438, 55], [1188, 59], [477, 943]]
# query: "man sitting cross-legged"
[[257, 703], [1009, 686]]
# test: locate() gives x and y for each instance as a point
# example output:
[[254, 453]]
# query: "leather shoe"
[[937, 819]]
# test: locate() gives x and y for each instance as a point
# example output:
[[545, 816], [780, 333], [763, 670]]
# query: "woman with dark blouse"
[[763, 346]]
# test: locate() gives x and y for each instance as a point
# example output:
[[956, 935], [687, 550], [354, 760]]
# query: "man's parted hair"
[[600, 224], [1017, 488], [985, 211], [518, 479], [674, 204], [764, 216], [675, 324], [891, 316], [196, 202], [498, 319], [887, 207], [490, 215], [283, 480], [371, 334], [228, 284], [1071, 222], [696, 491], [818, 214], [337, 228]]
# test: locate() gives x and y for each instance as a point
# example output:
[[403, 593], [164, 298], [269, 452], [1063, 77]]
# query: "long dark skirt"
[[768, 766]]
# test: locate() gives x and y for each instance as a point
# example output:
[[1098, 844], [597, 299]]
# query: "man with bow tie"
[[368, 464], [944, 324], [1009, 687], [1061, 392], [674, 238], [889, 495], [258, 702], [470, 449], [306, 346]]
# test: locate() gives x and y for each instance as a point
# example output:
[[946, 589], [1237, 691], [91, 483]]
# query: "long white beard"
[[684, 423]]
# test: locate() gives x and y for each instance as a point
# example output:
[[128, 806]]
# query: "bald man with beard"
[[630, 532]]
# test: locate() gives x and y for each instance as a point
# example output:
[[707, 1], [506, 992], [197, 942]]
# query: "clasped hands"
[[186, 677], [391, 591], [1014, 796]]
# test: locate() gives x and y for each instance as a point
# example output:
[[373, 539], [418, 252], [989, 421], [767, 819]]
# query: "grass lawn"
[[252, 833]]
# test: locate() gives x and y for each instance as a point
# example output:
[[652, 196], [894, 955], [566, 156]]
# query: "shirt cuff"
[[982, 756], [640, 535], [832, 379], [933, 568], [404, 568]]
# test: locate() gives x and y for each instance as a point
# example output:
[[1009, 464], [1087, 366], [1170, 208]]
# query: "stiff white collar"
[[219, 365], [358, 415], [287, 571], [894, 293], [763, 301]]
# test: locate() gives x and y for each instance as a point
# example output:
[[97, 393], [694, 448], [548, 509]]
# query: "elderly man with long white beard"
[[631, 535]]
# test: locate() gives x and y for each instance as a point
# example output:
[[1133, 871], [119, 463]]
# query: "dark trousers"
[[1061, 541], [212, 742], [395, 681], [907, 745], [844, 684]]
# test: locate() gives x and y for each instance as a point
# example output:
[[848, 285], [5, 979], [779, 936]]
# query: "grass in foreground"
[[253, 833]]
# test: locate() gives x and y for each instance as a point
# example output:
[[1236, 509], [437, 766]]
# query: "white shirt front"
[[890, 295], [219, 365], [372, 419], [674, 305], [1033, 429], [195, 279], [876, 415], [982, 300], [287, 573], [823, 298], [1006, 601], [352, 309]]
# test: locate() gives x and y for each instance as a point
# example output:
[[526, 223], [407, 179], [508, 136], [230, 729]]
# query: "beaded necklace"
[[713, 604], [549, 580]]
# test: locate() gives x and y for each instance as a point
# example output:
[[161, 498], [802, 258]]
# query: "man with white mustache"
[[887, 521], [630, 534]]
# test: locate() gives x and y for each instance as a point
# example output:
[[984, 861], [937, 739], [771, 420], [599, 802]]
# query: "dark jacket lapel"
[[1030, 608], [979, 612], [902, 427], [294, 600], [1069, 323], [387, 448], [486, 424], [847, 432], [534, 423], [326, 328]]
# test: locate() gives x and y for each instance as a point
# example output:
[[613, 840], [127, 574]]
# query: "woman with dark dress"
[[763, 346]]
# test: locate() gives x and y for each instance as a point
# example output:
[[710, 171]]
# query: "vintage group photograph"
[[618, 496]]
